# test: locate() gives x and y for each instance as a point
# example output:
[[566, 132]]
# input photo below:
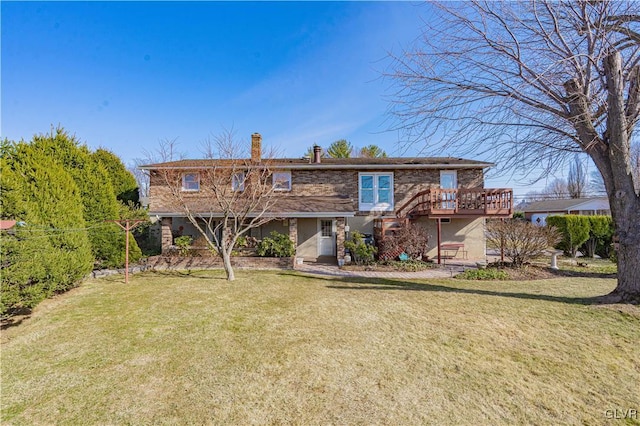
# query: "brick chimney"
[[256, 147], [317, 153]]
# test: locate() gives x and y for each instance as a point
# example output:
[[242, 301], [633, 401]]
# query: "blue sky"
[[125, 75]]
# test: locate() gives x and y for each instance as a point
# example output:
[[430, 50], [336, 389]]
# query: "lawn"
[[279, 347]]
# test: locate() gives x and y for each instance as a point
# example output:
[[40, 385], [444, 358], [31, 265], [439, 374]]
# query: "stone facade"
[[340, 234], [293, 231], [324, 183], [166, 233], [327, 182]]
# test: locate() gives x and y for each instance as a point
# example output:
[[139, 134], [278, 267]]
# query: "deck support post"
[[439, 241]]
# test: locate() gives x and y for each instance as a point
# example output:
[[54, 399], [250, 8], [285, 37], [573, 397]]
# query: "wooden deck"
[[476, 202]]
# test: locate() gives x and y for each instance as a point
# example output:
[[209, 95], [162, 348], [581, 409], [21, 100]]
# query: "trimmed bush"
[[600, 240], [483, 274], [183, 243], [574, 230], [361, 252], [410, 265], [277, 245]]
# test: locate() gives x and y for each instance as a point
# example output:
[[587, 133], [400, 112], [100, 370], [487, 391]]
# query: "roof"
[[315, 206], [563, 205], [331, 163], [287, 206]]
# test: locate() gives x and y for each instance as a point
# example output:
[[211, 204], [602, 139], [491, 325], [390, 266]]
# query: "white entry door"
[[327, 237], [448, 180]]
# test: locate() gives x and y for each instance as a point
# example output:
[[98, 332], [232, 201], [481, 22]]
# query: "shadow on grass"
[[582, 274], [388, 284], [202, 274], [13, 321]]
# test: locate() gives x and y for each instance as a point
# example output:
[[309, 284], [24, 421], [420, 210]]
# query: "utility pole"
[[127, 225]]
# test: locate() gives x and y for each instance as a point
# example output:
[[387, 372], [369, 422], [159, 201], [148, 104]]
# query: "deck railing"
[[459, 202]]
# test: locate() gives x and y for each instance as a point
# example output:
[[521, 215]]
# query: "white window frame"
[[452, 173], [376, 205], [185, 182], [448, 199], [280, 178], [237, 181]]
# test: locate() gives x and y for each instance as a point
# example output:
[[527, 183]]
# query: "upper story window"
[[237, 181], [375, 191], [191, 182], [282, 181]]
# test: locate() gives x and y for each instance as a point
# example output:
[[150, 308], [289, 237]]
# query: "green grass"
[[594, 266], [278, 347]]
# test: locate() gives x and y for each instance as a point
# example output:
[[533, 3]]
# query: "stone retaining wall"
[[182, 263], [240, 262]]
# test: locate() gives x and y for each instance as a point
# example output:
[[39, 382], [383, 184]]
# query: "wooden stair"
[[385, 227]]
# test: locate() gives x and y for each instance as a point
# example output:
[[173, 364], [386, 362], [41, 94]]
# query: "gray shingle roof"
[[558, 205], [405, 162]]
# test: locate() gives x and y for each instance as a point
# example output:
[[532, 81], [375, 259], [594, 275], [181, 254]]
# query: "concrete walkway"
[[442, 271]]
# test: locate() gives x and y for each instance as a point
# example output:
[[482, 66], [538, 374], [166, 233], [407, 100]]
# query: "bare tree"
[[521, 240], [577, 183], [142, 178], [596, 184], [635, 165], [167, 151], [411, 239], [236, 194], [557, 189], [531, 84]]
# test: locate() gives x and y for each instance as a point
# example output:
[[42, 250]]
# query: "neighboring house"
[[537, 211], [321, 200]]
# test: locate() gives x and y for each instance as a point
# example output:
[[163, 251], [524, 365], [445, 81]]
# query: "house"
[[320, 201], [537, 211]]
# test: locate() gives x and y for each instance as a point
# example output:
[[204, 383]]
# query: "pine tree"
[[123, 182], [98, 197], [50, 251], [340, 149]]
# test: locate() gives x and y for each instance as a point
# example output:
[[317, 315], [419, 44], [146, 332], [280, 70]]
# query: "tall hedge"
[[97, 194], [574, 230], [51, 251], [601, 232]]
